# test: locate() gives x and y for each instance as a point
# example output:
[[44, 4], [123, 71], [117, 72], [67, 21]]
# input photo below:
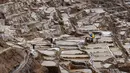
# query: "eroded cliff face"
[[3, 44], [12, 58], [9, 58], [3, 1]]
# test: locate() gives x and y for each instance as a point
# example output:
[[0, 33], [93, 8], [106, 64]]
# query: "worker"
[[92, 36], [89, 38], [34, 53]]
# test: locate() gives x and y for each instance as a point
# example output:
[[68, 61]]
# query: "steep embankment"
[[11, 58]]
